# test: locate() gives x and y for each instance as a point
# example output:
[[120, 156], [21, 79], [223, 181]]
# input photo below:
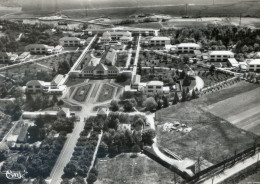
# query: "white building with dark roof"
[[100, 71], [188, 47], [157, 41], [124, 37], [37, 86], [220, 56]]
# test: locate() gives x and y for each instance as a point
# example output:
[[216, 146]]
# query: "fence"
[[210, 171]]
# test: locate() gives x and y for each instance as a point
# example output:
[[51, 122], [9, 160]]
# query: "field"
[[106, 93], [82, 93], [242, 110], [139, 170], [211, 137]]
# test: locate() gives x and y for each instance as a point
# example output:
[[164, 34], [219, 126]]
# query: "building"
[[58, 49], [134, 31], [220, 56], [135, 81], [53, 87], [100, 71], [110, 37], [188, 47], [110, 57], [7, 57], [70, 42], [253, 64], [233, 62], [159, 41], [39, 49], [37, 86], [124, 127], [154, 87]]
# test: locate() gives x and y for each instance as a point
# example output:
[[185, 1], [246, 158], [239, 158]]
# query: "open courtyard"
[[82, 93]]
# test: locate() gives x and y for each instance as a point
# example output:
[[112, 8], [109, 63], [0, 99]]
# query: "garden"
[[106, 93], [82, 93], [121, 59]]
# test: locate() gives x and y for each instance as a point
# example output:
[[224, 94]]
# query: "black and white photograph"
[[129, 91]]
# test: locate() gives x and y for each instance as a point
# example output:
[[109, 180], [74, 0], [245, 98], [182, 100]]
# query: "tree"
[[212, 68], [60, 103], [103, 150], [182, 74], [114, 105], [150, 104], [54, 99], [183, 96], [186, 81], [193, 94], [138, 124], [3, 155], [148, 135], [70, 169], [129, 104], [176, 99], [159, 106], [91, 178], [165, 102]]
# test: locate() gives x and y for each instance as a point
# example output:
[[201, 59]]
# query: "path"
[[66, 154], [95, 153], [129, 58], [44, 66], [136, 56], [232, 171]]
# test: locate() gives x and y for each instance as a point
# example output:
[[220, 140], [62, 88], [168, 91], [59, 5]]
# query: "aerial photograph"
[[129, 91]]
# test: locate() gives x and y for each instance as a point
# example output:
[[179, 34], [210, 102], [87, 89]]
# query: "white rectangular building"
[[157, 40], [188, 47], [70, 41], [253, 65], [220, 56]]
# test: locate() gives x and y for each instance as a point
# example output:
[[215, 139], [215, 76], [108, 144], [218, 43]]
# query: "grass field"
[[82, 93], [242, 110], [74, 81], [139, 170], [212, 137], [106, 93]]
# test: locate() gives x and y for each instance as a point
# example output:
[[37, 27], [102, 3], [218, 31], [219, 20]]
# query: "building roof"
[[253, 61], [160, 38], [24, 55], [124, 127], [221, 52], [103, 111], [155, 83], [233, 62], [111, 55], [188, 45], [57, 79], [58, 47], [37, 46], [37, 82], [66, 38], [136, 79]]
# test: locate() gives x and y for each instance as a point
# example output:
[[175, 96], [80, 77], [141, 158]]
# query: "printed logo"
[[14, 175]]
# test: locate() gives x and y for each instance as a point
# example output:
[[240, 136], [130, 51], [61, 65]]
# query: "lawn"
[[121, 60], [54, 61], [74, 81], [106, 93], [139, 170], [241, 110], [82, 93], [211, 137]]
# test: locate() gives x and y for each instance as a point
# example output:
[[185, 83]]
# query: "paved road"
[[66, 154], [129, 58], [136, 56]]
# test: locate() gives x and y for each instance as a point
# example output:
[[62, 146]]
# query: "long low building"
[[158, 40], [221, 55], [253, 65], [39, 49], [71, 42], [188, 47]]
